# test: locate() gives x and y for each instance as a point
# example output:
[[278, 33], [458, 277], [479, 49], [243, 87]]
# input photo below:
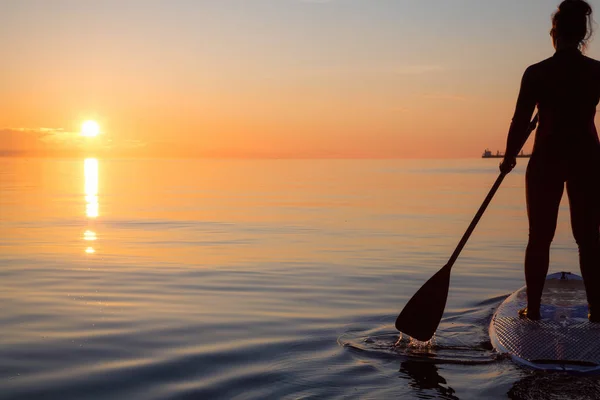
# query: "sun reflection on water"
[[90, 168], [89, 235], [90, 171]]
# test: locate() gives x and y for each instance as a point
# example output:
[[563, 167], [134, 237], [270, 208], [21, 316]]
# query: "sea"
[[259, 279]]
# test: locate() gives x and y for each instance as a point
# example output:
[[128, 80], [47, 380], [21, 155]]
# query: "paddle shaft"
[[486, 202], [476, 219]]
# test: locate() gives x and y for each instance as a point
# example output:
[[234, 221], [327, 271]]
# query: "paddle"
[[423, 313]]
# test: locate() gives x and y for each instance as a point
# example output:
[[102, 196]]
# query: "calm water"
[[179, 279]]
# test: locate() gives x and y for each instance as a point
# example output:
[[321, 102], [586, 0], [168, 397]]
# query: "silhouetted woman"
[[566, 90]]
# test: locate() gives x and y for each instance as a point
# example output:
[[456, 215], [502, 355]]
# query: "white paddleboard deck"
[[563, 340]]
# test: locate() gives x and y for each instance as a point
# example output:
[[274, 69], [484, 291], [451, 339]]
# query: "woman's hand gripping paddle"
[[423, 313]]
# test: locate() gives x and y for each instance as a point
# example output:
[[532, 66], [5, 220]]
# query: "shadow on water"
[[425, 377]]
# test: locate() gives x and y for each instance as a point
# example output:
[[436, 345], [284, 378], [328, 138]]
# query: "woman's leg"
[[584, 198], [544, 190]]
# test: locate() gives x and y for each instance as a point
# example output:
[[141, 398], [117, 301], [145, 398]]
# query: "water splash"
[[415, 344], [463, 340]]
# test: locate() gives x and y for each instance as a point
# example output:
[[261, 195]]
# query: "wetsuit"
[[566, 90]]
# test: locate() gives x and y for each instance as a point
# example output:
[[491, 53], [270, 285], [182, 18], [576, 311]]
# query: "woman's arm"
[[518, 132]]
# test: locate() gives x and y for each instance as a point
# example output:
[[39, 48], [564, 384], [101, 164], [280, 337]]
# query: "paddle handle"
[[485, 204]]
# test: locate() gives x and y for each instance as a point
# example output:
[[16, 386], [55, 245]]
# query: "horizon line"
[[69, 157]]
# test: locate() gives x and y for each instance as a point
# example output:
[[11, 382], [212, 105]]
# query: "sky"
[[266, 78]]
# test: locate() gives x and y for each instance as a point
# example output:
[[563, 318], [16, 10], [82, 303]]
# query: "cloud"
[[60, 142], [21, 139], [39, 141]]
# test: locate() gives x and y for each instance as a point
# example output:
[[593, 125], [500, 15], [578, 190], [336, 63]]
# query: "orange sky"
[[266, 78]]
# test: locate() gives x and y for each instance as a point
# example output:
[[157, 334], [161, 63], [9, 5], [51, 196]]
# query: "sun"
[[90, 128]]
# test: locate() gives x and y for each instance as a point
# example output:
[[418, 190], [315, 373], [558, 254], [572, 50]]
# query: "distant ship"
[[488, 154]]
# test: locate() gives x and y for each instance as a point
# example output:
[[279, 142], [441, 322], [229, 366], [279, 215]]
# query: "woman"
[[566, 90]]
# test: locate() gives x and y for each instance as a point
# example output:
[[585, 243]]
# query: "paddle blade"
[[423, 313]]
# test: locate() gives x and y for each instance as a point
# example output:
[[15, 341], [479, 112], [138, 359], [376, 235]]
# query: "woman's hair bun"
[[572, 21], [575, 7]]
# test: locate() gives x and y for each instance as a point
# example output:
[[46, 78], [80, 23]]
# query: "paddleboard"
[[563, 340]]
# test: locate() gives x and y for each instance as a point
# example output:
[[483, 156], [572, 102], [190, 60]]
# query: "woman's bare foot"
[[527, 313], [593, 316]]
